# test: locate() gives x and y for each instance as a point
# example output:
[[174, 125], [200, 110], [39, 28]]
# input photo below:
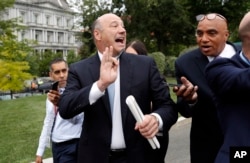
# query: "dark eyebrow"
[[62, 70]]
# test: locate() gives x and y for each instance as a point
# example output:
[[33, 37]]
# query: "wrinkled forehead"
[[109, 19], [216, 24]]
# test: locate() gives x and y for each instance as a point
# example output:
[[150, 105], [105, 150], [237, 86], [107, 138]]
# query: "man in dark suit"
[[110, 132], [206, 136], [229, 80]]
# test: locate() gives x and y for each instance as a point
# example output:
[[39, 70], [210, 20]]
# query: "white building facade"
[[49, 22]]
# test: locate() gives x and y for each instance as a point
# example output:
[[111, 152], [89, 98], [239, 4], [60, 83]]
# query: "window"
[[60, 37], [47, 19], [68, 23], [59, 21], [38, 35], [49, 36], [36, 17], [23, 16]]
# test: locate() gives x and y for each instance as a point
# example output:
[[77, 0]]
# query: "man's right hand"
[[108, 70], [39, 159], [187, 91], [53, 97]]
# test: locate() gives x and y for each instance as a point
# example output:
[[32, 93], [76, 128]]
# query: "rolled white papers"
[[137, 113]]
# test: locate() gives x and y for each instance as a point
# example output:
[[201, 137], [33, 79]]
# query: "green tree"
[[160, 24], [72, 57], [44, 61], [6, 3], [159, 58], [233, 10], [13, 68]]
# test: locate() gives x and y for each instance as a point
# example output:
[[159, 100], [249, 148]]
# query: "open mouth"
[[205, 48], [120, 40]]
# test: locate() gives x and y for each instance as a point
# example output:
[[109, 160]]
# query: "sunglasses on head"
[[209, 17]]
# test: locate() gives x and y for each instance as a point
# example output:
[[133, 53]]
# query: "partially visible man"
[[206, 136], [64, 133], [230, 81], [99, 86]]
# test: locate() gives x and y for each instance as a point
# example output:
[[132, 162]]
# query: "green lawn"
[[21, 122], [171, 80]]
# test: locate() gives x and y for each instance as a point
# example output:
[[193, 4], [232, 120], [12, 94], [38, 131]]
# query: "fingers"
[[148, 127], [108, 70], [107, 54], [187, 90], [53, 96]]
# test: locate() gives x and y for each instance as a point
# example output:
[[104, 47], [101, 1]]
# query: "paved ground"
[[178, 149]]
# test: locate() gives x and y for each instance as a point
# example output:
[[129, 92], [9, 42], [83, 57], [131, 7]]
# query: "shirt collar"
[[227, 52]]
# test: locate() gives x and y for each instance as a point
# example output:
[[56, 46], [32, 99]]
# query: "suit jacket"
[[229, 79], [205, 135], [139, 77]]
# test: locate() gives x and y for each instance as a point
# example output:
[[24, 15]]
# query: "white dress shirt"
[[63, 130]]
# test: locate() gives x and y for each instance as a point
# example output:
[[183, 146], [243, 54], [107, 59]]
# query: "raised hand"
[[108, 69]]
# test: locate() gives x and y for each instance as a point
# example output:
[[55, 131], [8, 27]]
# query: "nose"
[[62, 74], [122, 29], [204, 37]]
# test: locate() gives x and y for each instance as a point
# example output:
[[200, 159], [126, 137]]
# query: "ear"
[[227, 35], [97, 35]]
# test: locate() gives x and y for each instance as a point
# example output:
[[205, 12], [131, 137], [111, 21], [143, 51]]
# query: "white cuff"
[[95, 93], [158, 117]]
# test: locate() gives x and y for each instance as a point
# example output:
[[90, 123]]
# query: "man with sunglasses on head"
[[65, 133], [194, 97]]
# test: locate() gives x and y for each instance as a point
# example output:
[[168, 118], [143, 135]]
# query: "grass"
[[171, 80], [21, 122]]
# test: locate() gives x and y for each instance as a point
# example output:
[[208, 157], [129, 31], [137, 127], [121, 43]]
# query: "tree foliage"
[[160, 24], [13, 68], [72, 57], [232, 10], [6, 3], [164, 25], [159, 58]]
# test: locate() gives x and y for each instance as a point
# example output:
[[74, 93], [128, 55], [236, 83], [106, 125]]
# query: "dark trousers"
[[65, 152], [119, 156]]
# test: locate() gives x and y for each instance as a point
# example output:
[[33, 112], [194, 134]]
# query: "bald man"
[[229, 80], [111, 134], [205, 135]]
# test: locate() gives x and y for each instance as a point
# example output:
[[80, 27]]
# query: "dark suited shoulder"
[[75, 98], [226, 76], [186, 56]]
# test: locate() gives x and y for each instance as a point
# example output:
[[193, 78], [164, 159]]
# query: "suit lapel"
[[125, 83], [201, 61]]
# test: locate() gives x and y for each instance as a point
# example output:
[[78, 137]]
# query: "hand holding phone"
[[54, 85]]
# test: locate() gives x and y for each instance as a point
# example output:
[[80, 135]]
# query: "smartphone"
[[54, 86]]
